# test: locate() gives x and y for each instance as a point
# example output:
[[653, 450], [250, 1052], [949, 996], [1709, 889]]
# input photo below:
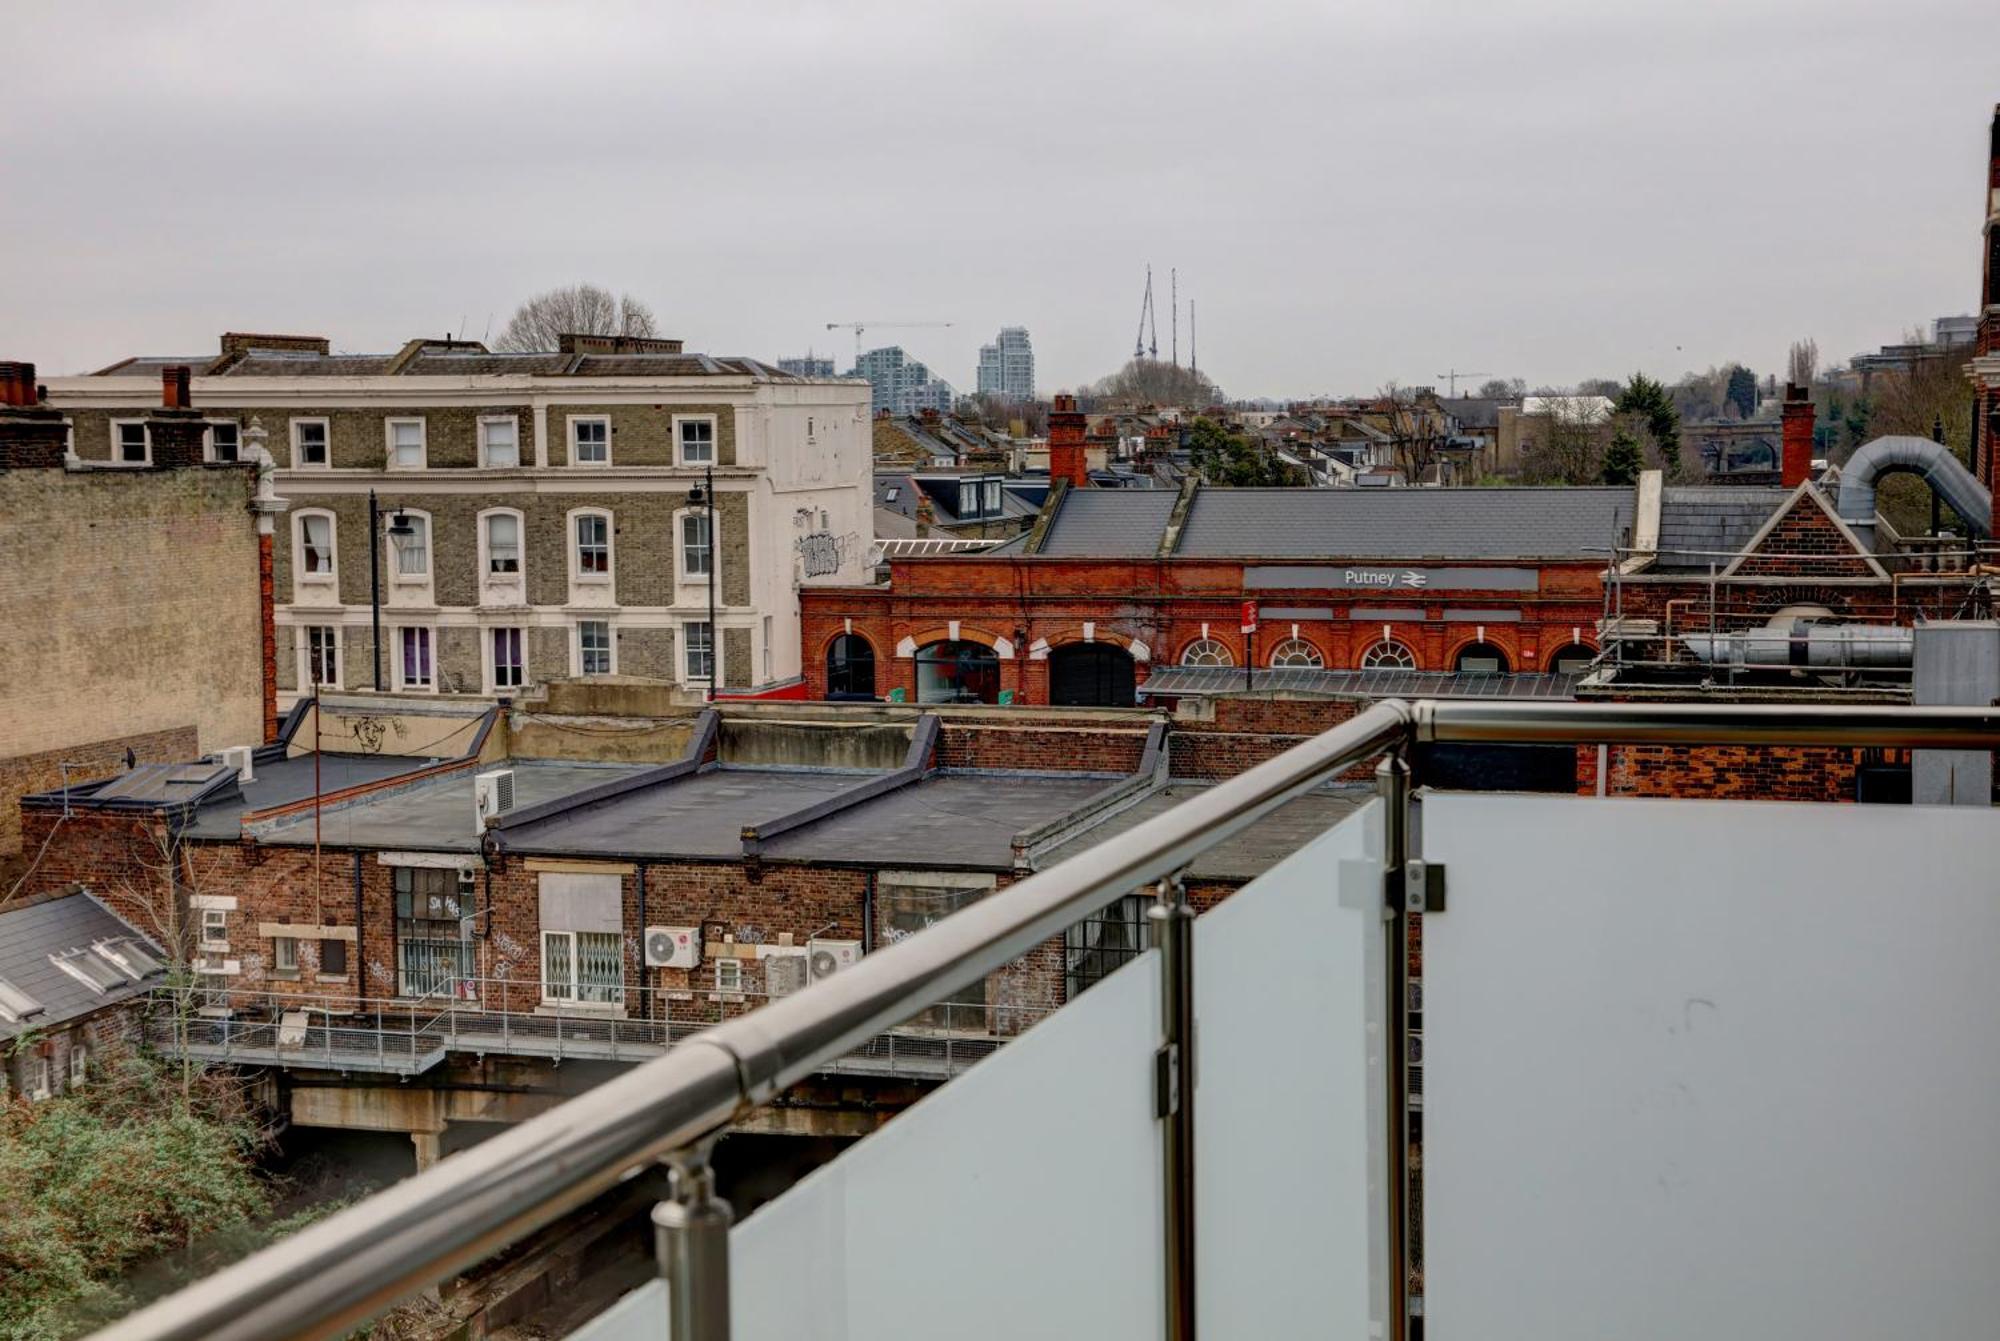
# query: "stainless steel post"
[[1172, 918], [1392, 782], [691, 1237]]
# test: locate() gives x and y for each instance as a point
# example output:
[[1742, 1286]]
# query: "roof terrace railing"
[[329, 1278]]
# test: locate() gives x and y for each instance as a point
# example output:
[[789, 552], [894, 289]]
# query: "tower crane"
[[1454, 374], [859, 326]]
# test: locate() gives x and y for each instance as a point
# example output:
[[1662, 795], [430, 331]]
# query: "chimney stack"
[[177, 430], [1795, 464], [1066, 454], [32, 436]]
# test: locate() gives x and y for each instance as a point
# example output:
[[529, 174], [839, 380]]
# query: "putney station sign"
[[1329, 577]]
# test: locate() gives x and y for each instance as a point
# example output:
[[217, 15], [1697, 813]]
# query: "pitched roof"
[[1405, 523], [30, 936], [1113, 523], [1704, 524]]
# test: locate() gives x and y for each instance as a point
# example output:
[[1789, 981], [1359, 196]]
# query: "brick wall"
[[132, 605], [1041, 747], [641, 435], [24, 774], [1805, 542], [1731, 772], [1219, 738]]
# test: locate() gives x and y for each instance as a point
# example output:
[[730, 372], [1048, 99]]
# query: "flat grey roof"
[[1195, 681], [29, 935], [946, 821], [436, 814], [1248, 854], [701, 815], [284, 781], [1397, 524]]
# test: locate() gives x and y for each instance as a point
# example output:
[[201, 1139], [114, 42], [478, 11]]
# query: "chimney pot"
[[17, 385], [174, 386]]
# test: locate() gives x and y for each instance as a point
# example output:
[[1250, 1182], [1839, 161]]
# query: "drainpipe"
[[356, 964], [645, 975]]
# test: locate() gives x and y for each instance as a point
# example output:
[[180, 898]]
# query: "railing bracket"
[[1423, 886], [1167, 1081]]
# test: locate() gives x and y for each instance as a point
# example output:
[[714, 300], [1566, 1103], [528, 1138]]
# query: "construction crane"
[[1147, 324], [1454, 374], [859, 326]]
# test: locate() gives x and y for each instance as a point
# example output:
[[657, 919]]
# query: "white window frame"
[[734, 985], [278, 966], [393, 559], [299, 461], [389, 427], [486, 423], [488, 646], [520, 573], [41, 1077], [1214, 652], [396, 651], [683, 645], [79, 1063], [714, 457], [299, 570], [576, 646], [574, 996], [208, 440], [573, 421], [682, 572], [575, 546], [118, 443], [214, 928], [304, 650]]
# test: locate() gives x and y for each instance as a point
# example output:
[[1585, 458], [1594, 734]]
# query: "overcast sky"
[[1353, 193]]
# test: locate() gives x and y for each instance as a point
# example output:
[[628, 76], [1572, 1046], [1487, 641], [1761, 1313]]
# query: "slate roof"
[[458, 363], [1111, 523], [29, 935], [1700, 523]]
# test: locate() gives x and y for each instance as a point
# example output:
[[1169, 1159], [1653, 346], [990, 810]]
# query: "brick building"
[[1986, 348], [137, 600], [537, 510]]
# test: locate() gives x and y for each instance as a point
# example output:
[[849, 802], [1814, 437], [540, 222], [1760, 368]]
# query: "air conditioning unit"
[[492, 796], [830, 957], [672, 947], [1413, 997], [786, 972], [242, 758]]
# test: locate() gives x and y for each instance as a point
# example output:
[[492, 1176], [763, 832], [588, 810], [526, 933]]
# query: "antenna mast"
[[1174, 301], [1147, 324], [1194, 365]]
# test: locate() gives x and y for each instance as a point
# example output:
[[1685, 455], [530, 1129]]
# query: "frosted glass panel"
[[1288, 1098], [1704, 1069], [1020, 1200]]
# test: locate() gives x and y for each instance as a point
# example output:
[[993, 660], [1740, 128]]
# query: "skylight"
[[129, 955], [15, 1004], [92, 971]]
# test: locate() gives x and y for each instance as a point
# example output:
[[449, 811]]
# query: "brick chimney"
[[1066, 454], [32, 436], [1795, 464], [176, 428]]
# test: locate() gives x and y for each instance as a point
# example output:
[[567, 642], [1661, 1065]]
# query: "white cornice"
[[497, 389], [552, 480]]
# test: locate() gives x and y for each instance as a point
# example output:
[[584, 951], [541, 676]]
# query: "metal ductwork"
[[1946, 475], [1807, 645]]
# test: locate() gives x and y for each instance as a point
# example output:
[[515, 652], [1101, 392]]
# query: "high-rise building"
[[1007, 366], [809, 365], [902, 385]]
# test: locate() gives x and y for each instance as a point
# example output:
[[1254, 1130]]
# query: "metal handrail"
[[331, 1277]]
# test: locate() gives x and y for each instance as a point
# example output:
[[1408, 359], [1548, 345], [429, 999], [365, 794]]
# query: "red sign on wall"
[[1249, 616]]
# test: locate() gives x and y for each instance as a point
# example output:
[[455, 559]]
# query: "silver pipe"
[[1392, 782], [1172, 918]]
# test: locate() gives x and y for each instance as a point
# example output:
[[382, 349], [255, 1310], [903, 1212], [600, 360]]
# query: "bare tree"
[[1417, 433], [579, 309], [1567, 442], [1802, 365]]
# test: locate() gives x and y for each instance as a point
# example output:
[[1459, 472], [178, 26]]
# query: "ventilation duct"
[[1807, 645], [1945, 474]]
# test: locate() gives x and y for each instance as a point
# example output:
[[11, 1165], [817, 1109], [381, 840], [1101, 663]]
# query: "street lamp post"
[[703, 495], [399, 527]]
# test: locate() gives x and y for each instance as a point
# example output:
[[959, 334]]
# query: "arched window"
[[1481, 659], [1296, 654], [500, 542], [1388, 655], [313, 545], [850, 667], [1572, 660], [957, 672], [1206, 652]]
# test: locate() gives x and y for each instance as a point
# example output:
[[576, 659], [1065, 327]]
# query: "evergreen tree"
[[1623, 460], [1742, 391], [1651, 404]]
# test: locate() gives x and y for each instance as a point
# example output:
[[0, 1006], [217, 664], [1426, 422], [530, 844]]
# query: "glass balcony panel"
[[1710, 1069], [1290, 1104], [1022, 1199]]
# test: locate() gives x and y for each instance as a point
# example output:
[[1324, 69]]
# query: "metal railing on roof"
[[331, 1277]]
